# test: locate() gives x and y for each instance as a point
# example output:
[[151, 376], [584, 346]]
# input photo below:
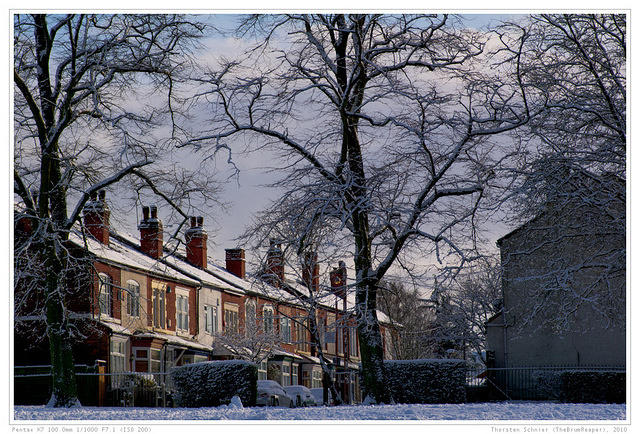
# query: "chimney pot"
[[235, 263], [196, 238], [96, 218], [151, 237]]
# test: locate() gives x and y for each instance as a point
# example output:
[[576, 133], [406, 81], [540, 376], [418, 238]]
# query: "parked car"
[[301, 395], [271, 394], [317, 394]]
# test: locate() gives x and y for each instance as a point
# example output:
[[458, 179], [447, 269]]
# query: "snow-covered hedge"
[[426, 381], [210, 384], [594, 386]]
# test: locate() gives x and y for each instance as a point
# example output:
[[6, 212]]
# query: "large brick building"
[[148, 306]]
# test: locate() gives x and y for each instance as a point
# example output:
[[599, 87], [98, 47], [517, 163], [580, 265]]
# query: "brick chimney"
[[151, 232], [338, 277], [96, 217], [235, 262], [311, 271], [196, 238], [274, 273]]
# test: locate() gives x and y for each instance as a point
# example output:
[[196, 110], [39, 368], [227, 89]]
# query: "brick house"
[[148, 306]]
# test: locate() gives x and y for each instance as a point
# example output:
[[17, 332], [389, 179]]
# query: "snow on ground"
[[481, 411]]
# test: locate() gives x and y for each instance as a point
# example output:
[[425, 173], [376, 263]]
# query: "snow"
[[449, 412]]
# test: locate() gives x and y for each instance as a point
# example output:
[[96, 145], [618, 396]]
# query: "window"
[[231, 317], [133, 298], [262, 370], [250, 317], [353, 341], [117, 359], [300, 335], [316, 379], [159, 306], [155, 360], [118, 355], [182, 312], [285, 330], [294, 375], [211, 319], [286, 374], [104, 300], [267, 319]]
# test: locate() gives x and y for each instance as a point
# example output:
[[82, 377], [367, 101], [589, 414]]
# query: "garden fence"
[[527, 382]]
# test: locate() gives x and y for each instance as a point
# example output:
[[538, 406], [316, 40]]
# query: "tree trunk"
[[64, 390], [373, 384]]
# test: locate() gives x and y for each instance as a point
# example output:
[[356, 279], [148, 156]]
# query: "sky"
[[246, 194]]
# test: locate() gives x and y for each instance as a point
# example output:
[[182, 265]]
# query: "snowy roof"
[[277, 352], [174, 340], [175, 260], [122, 253]]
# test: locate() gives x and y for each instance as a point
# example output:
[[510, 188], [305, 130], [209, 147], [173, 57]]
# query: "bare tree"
[[254, 343], [94, 95], [411, 317], [462, 309], [304, 291], [570, 177], [382, 125], [574, 70]]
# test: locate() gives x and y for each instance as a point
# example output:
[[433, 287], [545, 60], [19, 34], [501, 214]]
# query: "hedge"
[[426, 381], [593, 386], [210, 384]]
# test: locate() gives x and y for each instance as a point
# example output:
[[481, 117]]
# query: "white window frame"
[[262, 370], [316, 378], [286, 374], [133, 298], [267, 320], [153, 361], [250, 315], [294, 374], [285, 329], [105, 299], [231, 315], [210, 319], [182, 315], [159, 306], [118, 354], [353, 341]]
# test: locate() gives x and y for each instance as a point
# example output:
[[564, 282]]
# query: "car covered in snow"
[[301, 396], [271, 394]]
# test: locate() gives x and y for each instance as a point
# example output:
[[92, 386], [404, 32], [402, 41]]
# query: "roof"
[[120, 252], [123, 249], [295, 292]]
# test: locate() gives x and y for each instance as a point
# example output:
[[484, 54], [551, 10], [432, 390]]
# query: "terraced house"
[[143, 306]]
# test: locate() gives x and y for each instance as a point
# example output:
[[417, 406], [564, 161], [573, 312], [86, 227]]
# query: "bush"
[[210, 384], [546, 384], [593, 386], [427, 381]]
